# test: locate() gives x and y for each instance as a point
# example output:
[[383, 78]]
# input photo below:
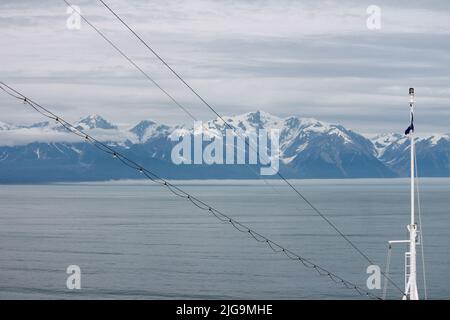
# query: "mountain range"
[[309, 148]]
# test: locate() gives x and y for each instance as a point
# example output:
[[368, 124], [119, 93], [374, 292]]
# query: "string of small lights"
[[274, 246]]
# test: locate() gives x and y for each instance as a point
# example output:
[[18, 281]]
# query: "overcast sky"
[[305, 58]]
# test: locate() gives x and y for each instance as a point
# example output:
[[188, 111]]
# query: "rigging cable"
[[277, 248], [314, 208], [123, 54], [146, 75], [421, 229]]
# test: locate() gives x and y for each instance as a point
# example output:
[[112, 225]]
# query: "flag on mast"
[[411, 125]]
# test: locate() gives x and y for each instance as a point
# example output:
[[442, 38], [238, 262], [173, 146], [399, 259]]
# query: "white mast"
[[410, 256], [411, 272]]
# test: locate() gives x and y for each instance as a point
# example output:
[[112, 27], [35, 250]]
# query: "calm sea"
[[136, 240]]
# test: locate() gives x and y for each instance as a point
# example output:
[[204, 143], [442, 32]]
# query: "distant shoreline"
[[241, 182]]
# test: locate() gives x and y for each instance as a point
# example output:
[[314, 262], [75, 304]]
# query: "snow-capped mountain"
[[94, 121], [319, 149], [148, 129], [312, 148], [309, 149], [249, 121], [432, 153], [385, 140]]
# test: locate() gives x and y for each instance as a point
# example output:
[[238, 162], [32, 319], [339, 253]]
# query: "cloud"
[[23, 136], [26, 135], [308, 58]]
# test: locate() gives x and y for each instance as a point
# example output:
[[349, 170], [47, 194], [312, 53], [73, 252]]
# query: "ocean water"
[[136, 240]]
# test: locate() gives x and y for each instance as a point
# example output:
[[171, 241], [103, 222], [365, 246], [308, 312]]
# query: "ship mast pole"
[[411, 274]]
